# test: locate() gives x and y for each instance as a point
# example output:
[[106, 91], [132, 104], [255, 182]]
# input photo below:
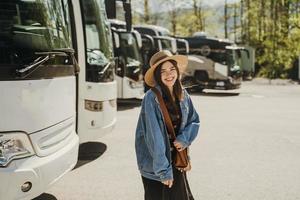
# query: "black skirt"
[[155, 190]]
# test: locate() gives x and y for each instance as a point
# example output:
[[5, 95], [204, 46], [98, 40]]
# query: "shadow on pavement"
[[88, 152], [126, 104], [45, 196]]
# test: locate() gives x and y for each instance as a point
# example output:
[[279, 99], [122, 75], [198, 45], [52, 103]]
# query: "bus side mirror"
[[116, 62], [187, 47], [75, 63], [116, 40], [248, 53], [138, 39], [174, 46]]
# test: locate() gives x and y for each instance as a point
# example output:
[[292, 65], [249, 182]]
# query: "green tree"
[[199, 17], [146, 12], [275, 34]]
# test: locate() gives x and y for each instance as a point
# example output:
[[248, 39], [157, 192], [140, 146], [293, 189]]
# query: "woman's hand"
[[168, 183], [178, 146]]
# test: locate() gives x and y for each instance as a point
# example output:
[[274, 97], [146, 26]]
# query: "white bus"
[[44, 101], [129, 62], [97, 106]]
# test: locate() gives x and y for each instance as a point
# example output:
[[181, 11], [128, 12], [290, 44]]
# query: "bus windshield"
[[30, 26], [230, 58], [166, 44], [99, 47], [224, 57], [130, 50]]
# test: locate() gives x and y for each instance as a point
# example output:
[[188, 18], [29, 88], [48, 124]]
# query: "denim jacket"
[[151, 141]]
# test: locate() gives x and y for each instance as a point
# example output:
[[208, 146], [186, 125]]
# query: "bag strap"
[[165, 113]]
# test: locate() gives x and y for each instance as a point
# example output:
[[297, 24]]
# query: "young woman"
[[154, 148]]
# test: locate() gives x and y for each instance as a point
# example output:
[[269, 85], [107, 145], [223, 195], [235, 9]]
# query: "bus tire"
[[201, 75]]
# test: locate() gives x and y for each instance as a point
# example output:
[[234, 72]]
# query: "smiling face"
[[168, 74]]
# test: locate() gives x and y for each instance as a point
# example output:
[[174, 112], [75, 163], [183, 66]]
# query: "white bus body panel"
[[221, 69], [125, 91], [33, 105]]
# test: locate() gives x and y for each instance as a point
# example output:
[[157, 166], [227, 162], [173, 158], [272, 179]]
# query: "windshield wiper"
[[37, 62], [104, 69], [136, 70], [44, 57]]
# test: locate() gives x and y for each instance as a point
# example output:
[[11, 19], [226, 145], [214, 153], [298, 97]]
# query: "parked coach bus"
[[221, 59], [44, 100], [127, 50]]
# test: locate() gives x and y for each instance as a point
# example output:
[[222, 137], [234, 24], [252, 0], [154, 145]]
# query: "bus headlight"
[[14, 146], [136, 84], [235, 68]]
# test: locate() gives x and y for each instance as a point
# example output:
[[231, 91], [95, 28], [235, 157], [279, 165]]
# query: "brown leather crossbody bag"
[[181, 159]]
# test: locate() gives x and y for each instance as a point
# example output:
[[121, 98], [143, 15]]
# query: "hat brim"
[[181, 60]]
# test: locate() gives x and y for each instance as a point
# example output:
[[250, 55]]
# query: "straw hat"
[[161, 57]]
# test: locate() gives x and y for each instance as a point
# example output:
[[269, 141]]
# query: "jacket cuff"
[[168, 175], [181, 139]]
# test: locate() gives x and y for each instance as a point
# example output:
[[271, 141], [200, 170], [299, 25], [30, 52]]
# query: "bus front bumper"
[[40, 172], [228, 84]]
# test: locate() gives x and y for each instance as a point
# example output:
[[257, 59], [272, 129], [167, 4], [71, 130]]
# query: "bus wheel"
[[201, 76], [198, 89]]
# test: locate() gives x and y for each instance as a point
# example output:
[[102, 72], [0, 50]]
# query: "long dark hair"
[[177, 87]]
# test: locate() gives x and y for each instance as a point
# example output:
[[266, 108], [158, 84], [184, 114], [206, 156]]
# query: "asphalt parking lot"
[[248, 148]]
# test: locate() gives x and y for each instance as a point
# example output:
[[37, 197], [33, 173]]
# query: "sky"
[[157, 6], [160, 6], [215, 2]]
